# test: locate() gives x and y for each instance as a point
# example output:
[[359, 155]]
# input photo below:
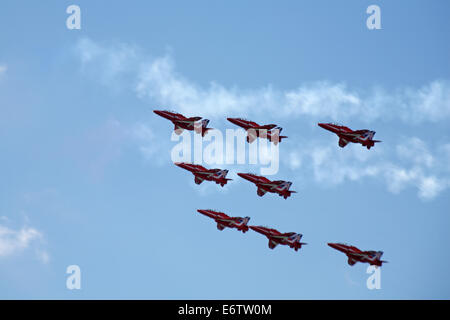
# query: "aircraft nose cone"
[[245, 176], [257, 229], [333, 245], [159, 113], [322, 125]]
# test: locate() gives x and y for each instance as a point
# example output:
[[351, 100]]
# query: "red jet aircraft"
[[201, 173], [254, 130], [224, 221], [346, 135], [181, 122], [355, 255], [265, 185], [275, 237]]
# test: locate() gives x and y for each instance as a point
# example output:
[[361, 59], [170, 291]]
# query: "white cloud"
[[415, 150], [3, 69], [43, 256], [413, 165], [409, 164], [157, 79], [151, 148], [428, 185], [15, 241], [109, 65]]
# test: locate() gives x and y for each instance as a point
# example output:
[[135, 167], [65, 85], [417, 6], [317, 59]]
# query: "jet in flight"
[[275, 237], [181, 122], [355, 255], [201, 173], [265, 185], [346, 135], [224, 220], [254, 130]]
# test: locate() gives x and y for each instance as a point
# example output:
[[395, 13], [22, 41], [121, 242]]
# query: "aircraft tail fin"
[[378, 254], [205, 123], [222, 173], [276, 138], [201, 127], [244, 226], [204, 130], [221, 176]]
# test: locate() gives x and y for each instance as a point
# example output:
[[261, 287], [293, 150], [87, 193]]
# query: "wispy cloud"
[[151, 148], [409, 164], [14, 241], [158, 80], [110, 65], [3, 69]]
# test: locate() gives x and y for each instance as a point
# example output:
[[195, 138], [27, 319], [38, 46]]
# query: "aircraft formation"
[[263, 184]]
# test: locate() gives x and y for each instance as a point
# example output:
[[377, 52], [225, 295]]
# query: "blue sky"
[[87, 177]]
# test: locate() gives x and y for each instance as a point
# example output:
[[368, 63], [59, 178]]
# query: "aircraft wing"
[[261, 191], [198, 179], [251, 136], [178, 130], [188, 120], [193, 119], [351, 135], [351, 261], [266, 127], [271, 185], [360, 132], [342, 142], [204, 173], [272, 244], [220, 226], [280, 237]]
